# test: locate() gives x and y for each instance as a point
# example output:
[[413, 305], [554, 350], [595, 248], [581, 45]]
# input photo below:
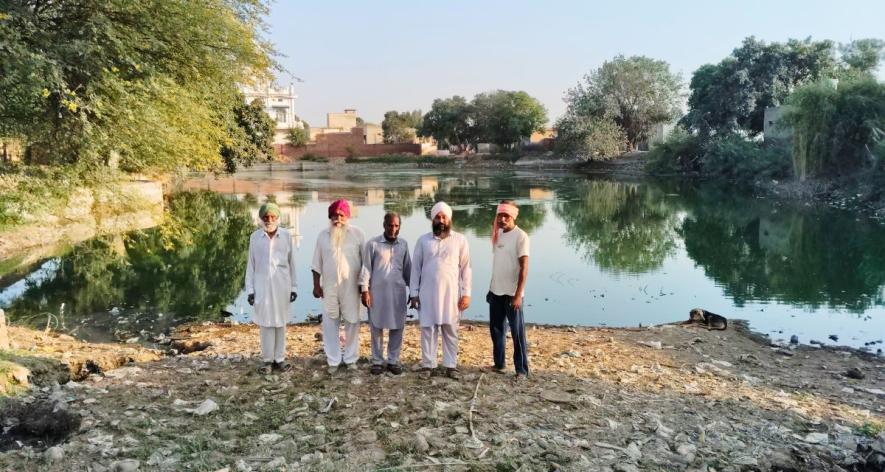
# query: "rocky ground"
[[658, 398]]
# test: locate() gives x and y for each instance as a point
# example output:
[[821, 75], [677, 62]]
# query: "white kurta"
[[339, 270], [441, 275], [270, 275]]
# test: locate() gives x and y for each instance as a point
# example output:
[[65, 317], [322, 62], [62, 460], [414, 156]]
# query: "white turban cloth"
[[441, 207]]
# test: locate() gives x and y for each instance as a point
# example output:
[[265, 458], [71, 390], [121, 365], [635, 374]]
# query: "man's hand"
[[516, 303], [366, 298], [463, 303], [317, 291], [414, 303], [251, 299], [292, 296]]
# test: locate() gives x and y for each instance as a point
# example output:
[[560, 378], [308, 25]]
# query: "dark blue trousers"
[[501, 314]]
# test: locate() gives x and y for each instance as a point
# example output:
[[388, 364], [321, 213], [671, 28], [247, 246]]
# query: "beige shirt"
[[505, 260]]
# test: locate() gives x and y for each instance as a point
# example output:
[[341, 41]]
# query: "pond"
[[604, 253]]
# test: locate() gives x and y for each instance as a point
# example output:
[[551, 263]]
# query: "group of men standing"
[[351, 274]]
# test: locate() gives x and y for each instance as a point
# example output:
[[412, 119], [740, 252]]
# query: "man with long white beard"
[[270, 285], [336, 266], [440, 288]]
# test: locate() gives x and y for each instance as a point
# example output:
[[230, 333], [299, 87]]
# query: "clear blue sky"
[[400, 55]]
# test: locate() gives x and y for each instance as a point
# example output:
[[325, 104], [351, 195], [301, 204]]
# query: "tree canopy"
[[400, 127], [634, 92], [154, 81], [732, 95], [450, 122]]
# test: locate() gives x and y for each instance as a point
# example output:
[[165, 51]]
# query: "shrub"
[[589, 138], [736, 158], [680, 152]]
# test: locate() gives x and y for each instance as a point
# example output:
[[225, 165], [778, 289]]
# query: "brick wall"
[[342, 145]]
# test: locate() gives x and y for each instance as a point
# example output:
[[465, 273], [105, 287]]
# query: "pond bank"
[[658, 398], [124, 206]]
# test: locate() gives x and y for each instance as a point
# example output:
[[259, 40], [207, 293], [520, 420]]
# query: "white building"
[[279, 103]]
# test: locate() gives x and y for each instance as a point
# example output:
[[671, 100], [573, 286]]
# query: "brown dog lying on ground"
[[707, 319]]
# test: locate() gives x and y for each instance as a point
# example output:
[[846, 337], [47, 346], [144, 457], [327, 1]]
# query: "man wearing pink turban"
[[337, 262], [440, 288], [510, 266]]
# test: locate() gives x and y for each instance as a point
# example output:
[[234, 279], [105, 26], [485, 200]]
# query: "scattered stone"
[[420, 443], [854, 373], [626, 468], [557, 396], [366, 437], [126, 465], [275, 465], [462, 430], [54, 454], [794, 339], [745, 460], [817, 438], [652, 344], [687, 452], [242, 466], [208, 406], [269, 437], [633, 452]]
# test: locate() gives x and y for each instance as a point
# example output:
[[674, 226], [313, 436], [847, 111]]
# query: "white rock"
[[208, 406], [745, 460], [652, 344], [269, 437], [277, 464], [54, 454], [633, 452], [242, 466], [421, 444], [126, 465], [461, 430], [687, 452], [817, 438]]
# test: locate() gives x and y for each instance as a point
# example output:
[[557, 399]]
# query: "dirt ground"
[[659, 398]]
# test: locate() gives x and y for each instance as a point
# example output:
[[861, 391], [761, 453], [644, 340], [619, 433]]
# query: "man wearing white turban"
[[440, 288]]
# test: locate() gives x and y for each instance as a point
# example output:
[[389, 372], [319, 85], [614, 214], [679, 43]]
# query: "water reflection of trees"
[[190, 266], [796, 255], [474, 201], [621, 226]]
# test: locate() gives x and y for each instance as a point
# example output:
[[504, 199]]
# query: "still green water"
[[603, 253]]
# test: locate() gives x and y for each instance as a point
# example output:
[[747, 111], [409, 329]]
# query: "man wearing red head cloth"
[[336, 266]]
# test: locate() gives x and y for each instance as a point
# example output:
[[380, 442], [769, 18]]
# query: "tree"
[[401, 127], [298, 137], [250, 136], [153, 81], [588, 137], [506, 117], [635, 92], [732, 96], [862, 56], [450, 122]]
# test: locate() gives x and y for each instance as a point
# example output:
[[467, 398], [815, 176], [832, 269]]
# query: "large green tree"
[[451, 122], [153, 81], [505, 117], [400, 127], [731, 96], [635, 92], [251, 135]]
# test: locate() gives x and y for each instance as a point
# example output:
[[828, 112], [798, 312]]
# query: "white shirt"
[[441, 275], [339, 270], [505, 260], [270, 275]]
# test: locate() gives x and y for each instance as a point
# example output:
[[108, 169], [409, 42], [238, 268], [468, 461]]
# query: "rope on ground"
[[473, 408]]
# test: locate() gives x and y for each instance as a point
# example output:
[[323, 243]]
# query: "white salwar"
[[270, 276], [339, 270], [441, 275]]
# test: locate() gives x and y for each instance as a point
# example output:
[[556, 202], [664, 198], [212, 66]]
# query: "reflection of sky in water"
[[603, 253]]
